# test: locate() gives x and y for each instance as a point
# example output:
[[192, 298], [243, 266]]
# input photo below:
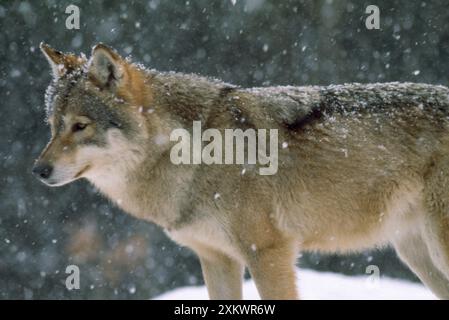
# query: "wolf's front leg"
[[273, 270], [223, 276]]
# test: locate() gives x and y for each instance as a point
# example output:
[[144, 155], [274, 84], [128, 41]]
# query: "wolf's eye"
[[79, 127]]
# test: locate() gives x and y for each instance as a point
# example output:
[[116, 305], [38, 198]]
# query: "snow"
[[314, 285]]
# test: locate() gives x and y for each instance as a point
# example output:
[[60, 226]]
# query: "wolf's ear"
[[106, 67], [61, 63]]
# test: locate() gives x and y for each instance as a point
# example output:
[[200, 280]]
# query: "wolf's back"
[[297, 106]]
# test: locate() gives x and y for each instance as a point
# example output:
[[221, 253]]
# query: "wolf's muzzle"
[[42, 170]]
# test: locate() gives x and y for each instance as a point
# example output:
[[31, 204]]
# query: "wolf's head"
[[96, 109]]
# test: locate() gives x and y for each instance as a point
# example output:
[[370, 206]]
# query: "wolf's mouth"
[[82, 171]]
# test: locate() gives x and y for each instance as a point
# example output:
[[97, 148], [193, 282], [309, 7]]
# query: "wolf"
[[360, 166]]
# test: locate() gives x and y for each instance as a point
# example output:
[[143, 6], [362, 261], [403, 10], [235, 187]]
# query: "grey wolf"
[[361, 165]]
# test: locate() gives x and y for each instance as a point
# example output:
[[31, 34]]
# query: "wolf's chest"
[[205, 234]]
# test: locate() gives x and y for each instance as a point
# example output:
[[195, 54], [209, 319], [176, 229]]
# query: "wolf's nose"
[[43, 171]]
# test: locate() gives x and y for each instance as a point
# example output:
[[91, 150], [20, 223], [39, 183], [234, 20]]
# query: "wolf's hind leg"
[[223, 276], [435, 228], [413, 251], [436, 236], [273, 270]]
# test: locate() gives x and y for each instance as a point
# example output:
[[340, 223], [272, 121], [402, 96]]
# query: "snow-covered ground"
[[324, 285]]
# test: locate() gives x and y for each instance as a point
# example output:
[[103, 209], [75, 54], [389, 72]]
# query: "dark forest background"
[[249, 43]]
